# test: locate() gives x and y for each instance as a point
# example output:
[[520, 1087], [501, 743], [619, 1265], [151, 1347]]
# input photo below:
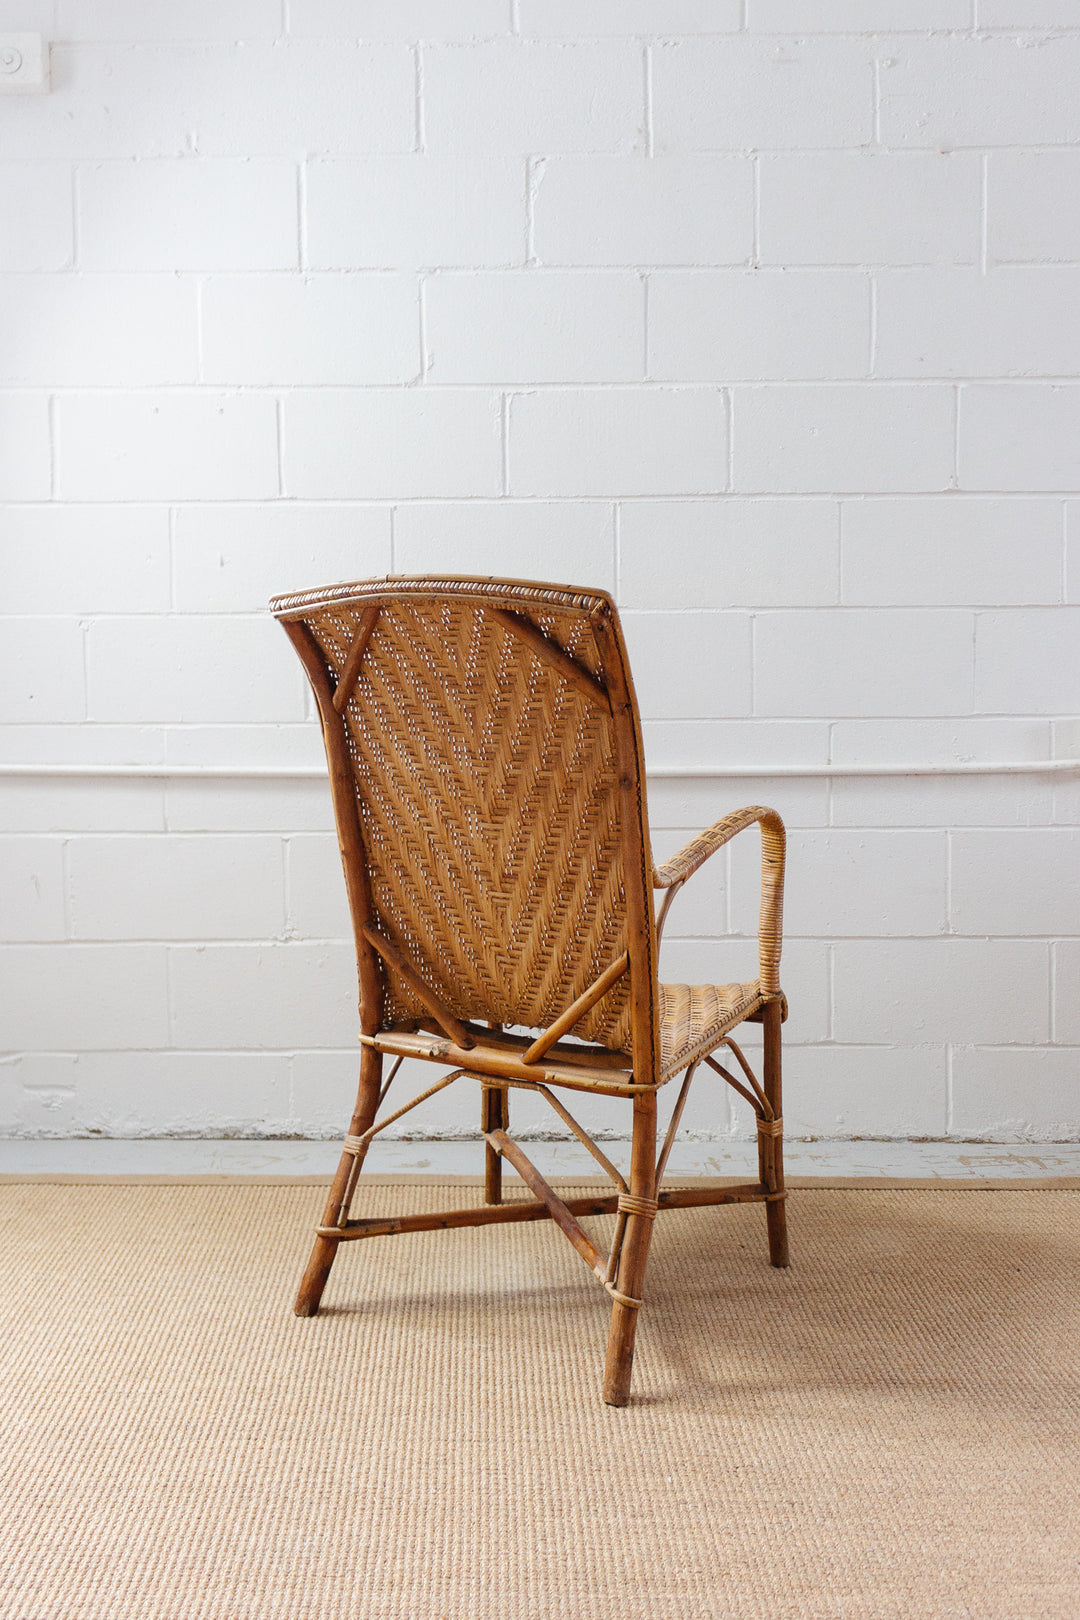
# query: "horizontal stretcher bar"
[[748, 1192], [497, 1064]]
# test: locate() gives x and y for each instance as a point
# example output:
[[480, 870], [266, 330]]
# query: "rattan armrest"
[[675, 872]]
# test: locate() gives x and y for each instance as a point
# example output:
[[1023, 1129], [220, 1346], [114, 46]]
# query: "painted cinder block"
[[673, 209], [216, 805], [200, 446], [38, 195], [1009, 1094], [909, 991], [1030, 205], [738, 325], [664, 17], [663, 441], [865, 1091], [296, 97], [1026, 661], [1013, 882], [220, 98], [25, 447], [967, 90], [176, 887], [524, 96], [1026, 14], [190, 1094], [32, 889], [746, 741], [310, 329], [384, 444], [37, 1093], [84, 997], [858, 662], [41, 671], [944, 550], [397, 19], [70, 559], [317, 907], [861, 208], [533, 326], [1066, 971], [74, 805], [416, 212], [570, 541], [857, 16], [728, 553], [1020, 436], [1023, 800], [190, 668], [840, 883], [183, 214], [233, 558], [126, 331], [730, 94], [690, 664], [232, 997], [961, 323], [843, 438], [160, 20]]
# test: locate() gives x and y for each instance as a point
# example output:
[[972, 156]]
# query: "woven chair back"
[[493, 756]]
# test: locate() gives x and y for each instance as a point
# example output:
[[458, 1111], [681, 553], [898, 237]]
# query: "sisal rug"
[[888, 1430]]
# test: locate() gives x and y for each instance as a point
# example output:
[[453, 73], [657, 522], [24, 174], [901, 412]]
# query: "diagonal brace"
[[564, 1220]]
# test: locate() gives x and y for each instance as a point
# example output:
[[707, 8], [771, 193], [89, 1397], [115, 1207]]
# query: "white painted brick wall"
[[171, 214], [310, 329], [671, 209], [761, 314]]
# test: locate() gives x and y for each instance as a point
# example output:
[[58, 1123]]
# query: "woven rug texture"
[[889, 1429]]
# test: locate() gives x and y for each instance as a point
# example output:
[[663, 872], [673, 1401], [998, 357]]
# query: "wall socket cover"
[[24, 65]]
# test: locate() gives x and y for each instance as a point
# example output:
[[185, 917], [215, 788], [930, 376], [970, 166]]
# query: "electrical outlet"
[[24, 65]]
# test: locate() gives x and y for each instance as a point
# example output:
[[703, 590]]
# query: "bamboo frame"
[[430, 962]]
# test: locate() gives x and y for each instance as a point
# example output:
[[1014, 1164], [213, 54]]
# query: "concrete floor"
[[171, 1157]]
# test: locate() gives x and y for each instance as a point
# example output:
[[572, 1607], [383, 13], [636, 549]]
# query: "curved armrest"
[[674, 873]]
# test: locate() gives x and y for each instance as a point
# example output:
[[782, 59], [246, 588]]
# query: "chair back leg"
[[325, 1249], [633, 1255], [494, 1116]]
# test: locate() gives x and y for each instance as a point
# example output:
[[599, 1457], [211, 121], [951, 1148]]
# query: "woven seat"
[[486, 768], [694, 1018]]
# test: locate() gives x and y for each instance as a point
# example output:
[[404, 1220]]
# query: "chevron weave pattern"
[[487, 789]]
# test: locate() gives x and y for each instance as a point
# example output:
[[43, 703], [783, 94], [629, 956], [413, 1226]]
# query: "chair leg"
[[494, 1116], [325, 1250], [771, 1148], [633, 1256]]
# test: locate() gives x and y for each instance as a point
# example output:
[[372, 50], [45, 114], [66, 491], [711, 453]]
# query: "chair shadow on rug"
[[486, 767]]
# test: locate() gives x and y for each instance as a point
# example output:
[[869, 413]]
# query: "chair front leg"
[[640, 1210], [771, 1137], [325, 1249]]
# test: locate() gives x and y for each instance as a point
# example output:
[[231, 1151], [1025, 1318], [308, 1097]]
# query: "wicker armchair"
[[486, 767]]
